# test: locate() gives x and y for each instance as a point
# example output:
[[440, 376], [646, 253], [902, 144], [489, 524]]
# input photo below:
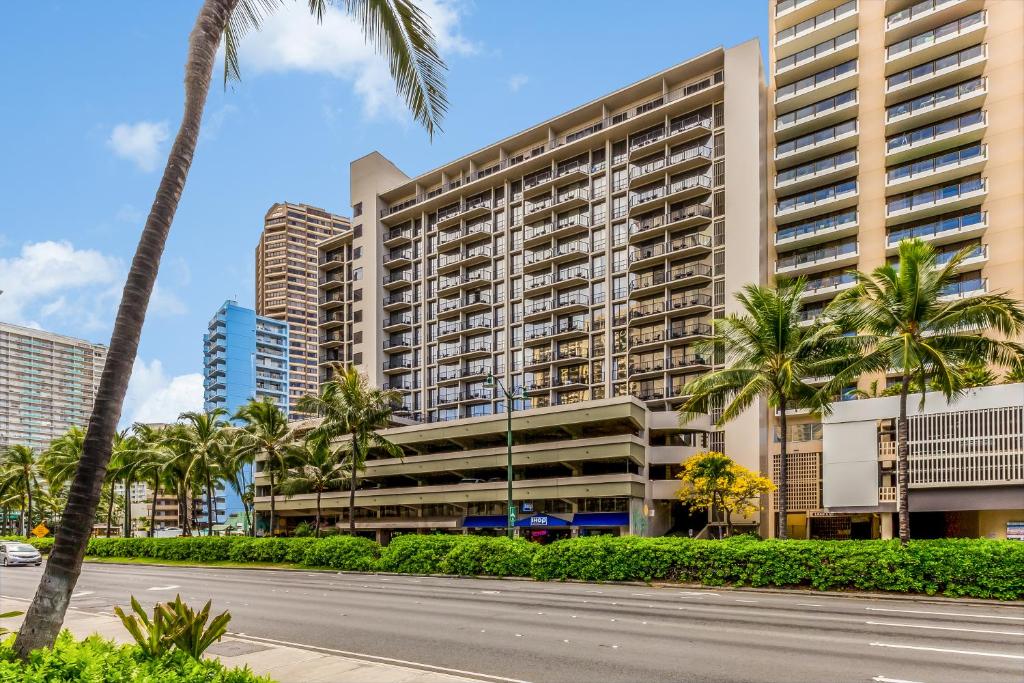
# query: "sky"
[[92, 96]]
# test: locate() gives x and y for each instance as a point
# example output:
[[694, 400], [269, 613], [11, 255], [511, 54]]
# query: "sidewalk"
[[283, 663]]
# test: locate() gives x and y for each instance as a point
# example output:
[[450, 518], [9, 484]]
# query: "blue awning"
[[485, 522], [541, 521], [600, 519]]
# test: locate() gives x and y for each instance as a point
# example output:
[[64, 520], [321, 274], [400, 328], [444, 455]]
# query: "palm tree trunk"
[[210, 516], [783, 510], [270, 470], [127, 506], [152, 509], [903, 463], [110, 509], [352, 491], [24, 521], [318, 491], [46, 613], [28, 520]]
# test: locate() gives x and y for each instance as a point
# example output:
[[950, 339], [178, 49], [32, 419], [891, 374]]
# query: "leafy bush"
[[417, 554], [302, 529], [347, 553], [95, 659], [490, 556], [174, 625]]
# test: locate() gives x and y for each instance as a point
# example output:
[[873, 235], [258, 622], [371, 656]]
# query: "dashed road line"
[[898, 646], [944, 614], [1019, 634]]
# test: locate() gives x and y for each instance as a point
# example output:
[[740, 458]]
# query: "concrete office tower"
[[286, 284], [892, 120], [245, 356], [47, 384]]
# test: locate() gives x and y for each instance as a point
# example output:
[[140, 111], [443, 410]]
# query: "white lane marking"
[[742, 600], [388, 660], [1019, 634], [80, 594], [949, 650], [491, 592], [944, 614], [884, 679], [807, 604], [162, 588]]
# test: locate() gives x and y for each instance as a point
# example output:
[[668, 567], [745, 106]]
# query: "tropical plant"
[[351, 409], [767, 354], [265, 435], [21, 475], [235, 462], [174, 625], [60, 460], [398, 30], [1015, 374], [714, 481], [907, 324], [205, 438], [152, 464], [316, 467], [153, 636]]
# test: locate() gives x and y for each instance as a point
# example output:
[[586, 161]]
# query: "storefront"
[[600, 523], [544, 528]]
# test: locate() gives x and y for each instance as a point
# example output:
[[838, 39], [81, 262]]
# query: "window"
[[357, 210]]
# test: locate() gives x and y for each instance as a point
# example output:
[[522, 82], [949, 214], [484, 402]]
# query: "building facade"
[[891, 120], [245, 357], [47, 384], [339, 326], [287, 284]]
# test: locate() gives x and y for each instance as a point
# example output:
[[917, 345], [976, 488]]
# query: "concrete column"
[[886, 526]]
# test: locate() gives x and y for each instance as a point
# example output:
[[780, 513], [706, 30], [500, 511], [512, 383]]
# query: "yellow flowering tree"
[[712, 480]]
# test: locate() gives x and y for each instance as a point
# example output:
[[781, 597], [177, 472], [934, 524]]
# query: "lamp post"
[[510, 396]]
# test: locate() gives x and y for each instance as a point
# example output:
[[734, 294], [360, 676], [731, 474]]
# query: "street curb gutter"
[[914, 597]]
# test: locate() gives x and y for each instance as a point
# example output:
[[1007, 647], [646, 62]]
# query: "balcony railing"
[[927, 38], [816, 80], [812, 111], [933, 196], [829, 282], [816, 51], [816, 168], [937, 227], [965, 287], [936, 66], [935, 99], [816, 22], [818, 137], [810, 199], [809, 257], [937, 163], [909, 14], [684, 213]]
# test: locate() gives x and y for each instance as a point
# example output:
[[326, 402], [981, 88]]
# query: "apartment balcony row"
[[449, 329], [560, 226], [647, 198], [680, 331], [689, 362], [471, 208], [938, 168], [964, 289], [933, 106], [646, 255], [394, 258], [654, 141], [840, 255], [822, 288], [676, 162], [660, 392], [400, 383], [813, 58], [468, 257], [819, 143], [447, 285], [821, 85], [819, 114], [925, 15], [467, 233], [472, 395], [564, 276], [447, 374], [544, 181], [941, 230], [473, 349], [557, 200], [934, 200], [685, 302], [566, 251], [564, 303], [833, 21], [692, 215], [399, 278], [539, 357], [928, 45], [468, 303], [817, 172], [683, 274], [826, 199], [700, 90], [936, 74], [397, 236]]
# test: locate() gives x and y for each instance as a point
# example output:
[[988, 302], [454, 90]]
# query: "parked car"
[[13, 554]]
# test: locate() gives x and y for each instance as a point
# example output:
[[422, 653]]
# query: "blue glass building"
[[245, 356]]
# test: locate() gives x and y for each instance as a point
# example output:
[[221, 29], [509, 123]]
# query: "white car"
[[12, 554]]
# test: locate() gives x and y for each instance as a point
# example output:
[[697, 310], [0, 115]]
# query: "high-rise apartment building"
[[245, 357], [47, 384], [287, 286], [577, 261], [891, 119]]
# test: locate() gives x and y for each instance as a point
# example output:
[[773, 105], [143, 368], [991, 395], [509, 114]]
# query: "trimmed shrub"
[[417, 554], [347, 553], [95, 659], [489, 556]]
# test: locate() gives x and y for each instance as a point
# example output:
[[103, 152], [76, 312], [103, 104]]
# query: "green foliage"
[[416, 554], [347, 553], [95, 659], [153, 636], [174, 625], [8, 615], [489, 556], [302, 529], [43, 545]]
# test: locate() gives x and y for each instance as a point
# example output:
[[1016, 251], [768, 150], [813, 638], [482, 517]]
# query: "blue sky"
[[92, 97]]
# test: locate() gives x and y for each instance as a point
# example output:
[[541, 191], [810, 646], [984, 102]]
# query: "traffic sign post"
[[40, 530]]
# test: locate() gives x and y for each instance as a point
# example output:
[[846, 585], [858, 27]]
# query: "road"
[[551, 632]]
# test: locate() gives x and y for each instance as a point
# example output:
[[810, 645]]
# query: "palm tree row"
[[898, 319]]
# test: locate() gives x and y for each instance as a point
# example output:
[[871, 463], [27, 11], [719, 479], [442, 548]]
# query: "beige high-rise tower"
[[287, 284], [892, 119]]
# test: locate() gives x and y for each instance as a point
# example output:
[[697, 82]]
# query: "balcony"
[[954, 132], [570, 302], [936, 74], [576, 170], [645, 367], [397, 322], [831, 198], [935, 200], [964, 289], [468, 233], [950, 101], [571, 353], [805, 33], [690, 362], [538, 182], [951, 37], [331, 301], [571, 199], [823, 84], [539, 204], [811, 59], [397, 365], [832, 110], [687, 216], [824, 229], [943, 230], [397, 300], [396, 258], [682, 160], [395, 343], [397, 280], [572, 224], [463, 211], [689, 331], [686, 245], [826, 258], [937, 169], [647, 143], [677, 190], [539, 333], [823, 288], [817, 172], [397, 236], [819, 143], [573, 273], [569, 328], [923, 16]]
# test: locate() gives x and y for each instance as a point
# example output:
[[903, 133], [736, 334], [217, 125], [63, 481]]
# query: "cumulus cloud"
[[153, 396], [517, 81], [139, 142], [291, 40]]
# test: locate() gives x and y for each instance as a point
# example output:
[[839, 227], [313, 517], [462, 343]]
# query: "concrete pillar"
[[886, 526]]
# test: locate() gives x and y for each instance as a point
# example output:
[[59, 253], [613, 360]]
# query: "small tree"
[[712, 480]]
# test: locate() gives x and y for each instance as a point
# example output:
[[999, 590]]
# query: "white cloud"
[[139, 142], [517, 81], [291, 40], [154, 397]]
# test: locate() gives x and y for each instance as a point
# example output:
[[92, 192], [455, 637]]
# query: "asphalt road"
[[550, 632]]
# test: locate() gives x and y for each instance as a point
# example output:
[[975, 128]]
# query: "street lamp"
[[510, 396]]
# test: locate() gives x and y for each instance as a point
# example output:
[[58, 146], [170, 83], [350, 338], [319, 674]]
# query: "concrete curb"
[[904, 597]]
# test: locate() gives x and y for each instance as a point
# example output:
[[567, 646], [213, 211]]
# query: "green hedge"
[[42, 544], [95, 659], [978, 568]]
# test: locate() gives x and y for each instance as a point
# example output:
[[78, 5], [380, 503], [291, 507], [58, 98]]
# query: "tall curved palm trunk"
[[46, 613]]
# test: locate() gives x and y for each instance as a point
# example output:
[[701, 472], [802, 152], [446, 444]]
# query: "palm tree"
[[401, 32], [316, 468], [22, 474], [60, 460], [906, 323], [768, 354], [205, 437], [351, 408], [265, 433], [234, 462], [152, 461]]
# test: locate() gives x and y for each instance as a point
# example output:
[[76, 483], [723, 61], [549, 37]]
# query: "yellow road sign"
[[40, 530]]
